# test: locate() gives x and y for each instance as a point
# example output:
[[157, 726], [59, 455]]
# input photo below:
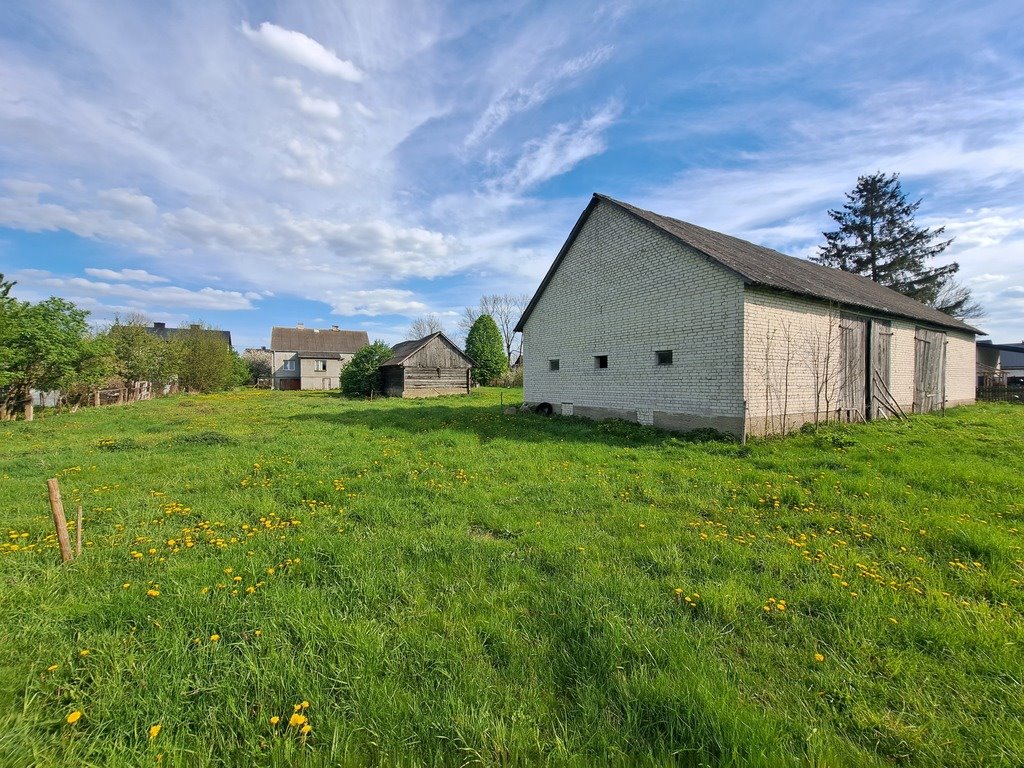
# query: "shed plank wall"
[[436, 354], [433, 370]]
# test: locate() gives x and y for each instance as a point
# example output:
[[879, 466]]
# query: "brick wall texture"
[[743, 358]]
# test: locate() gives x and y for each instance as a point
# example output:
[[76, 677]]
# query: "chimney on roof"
[[300, 326], [159, 326]]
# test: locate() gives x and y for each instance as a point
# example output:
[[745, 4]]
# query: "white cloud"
[[314, 106], [517, 98], [310, 170], [562, 149], [140, 297], [129, 201], [376, 302], [125, 275], [300, 49], [22, 188]]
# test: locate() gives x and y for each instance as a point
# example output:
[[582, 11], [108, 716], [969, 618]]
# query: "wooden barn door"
[[853, 391], [929, 370], [880, 399]]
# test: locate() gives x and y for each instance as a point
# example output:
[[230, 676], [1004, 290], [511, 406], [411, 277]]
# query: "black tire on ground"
[[544, 409]]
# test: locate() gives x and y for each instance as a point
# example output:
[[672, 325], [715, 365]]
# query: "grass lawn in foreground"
[[445, 585]]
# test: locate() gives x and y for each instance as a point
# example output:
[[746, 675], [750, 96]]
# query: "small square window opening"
[[319, 365], [601, 361], [553, 365], [664, 356]]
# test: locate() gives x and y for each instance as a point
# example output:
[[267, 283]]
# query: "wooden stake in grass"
[[78, 533], [59, 521]]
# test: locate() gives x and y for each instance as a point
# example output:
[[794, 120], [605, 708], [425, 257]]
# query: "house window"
[[319, 365], [552, 365], [288, 365], [663, 356], [601, 361]]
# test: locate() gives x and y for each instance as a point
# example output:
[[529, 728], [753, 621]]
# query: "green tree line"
[[48, 345]]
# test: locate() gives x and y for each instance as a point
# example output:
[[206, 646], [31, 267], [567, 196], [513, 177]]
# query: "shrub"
[[512, 378], [361, 377]]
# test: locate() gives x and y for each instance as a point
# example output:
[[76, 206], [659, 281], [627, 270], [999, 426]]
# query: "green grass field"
[[445, 585]]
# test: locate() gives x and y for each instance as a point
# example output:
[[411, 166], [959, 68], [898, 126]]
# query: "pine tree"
[[487, 350], [5, 286], [879, 239]]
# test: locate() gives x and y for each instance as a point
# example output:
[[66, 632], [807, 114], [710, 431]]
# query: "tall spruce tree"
[[878, 238], [485, 346]]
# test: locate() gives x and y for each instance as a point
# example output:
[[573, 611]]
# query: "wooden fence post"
[[29, 408], [59, 521]]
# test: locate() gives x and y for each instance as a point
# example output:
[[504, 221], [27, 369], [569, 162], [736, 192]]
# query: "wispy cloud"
[[327, 109], [125, 275], [517, 98], [566, 145], [384, 301], [301, 49], [142, 297]]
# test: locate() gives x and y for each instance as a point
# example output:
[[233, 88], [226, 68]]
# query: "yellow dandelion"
[[258, 633], [275, 720], [84, 652], [679, 590], [74, 717], [296, 720], [304, 704], [126, 585], [52, 667], [819, 657], [306, 729], [154, 731], [214, 638], [153, 592]]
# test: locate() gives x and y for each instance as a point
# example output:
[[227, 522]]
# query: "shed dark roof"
[[403, 350], [315, 340], [167, 334], [760, 266]]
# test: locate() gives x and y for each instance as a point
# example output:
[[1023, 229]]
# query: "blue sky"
[[360, 164]]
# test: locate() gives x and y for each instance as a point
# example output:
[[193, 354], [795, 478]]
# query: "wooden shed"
[[426, 367]]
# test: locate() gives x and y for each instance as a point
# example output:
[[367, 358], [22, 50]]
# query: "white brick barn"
[[650, 319]]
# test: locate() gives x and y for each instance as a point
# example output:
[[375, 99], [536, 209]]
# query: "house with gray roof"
[[311, 358], [427, 367], [651, 319], [169, 334]]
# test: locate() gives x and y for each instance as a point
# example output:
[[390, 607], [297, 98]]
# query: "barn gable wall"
[[627, 291]]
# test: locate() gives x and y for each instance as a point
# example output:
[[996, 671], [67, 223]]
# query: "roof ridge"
[[805, 278]]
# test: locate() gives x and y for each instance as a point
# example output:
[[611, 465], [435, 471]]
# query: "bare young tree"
[[824, 361], [506, 309], [424, 326]]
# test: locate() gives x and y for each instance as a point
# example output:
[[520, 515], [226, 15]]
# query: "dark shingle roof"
[[403, 350], [168, 334], [314, 340], [760, 266]]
